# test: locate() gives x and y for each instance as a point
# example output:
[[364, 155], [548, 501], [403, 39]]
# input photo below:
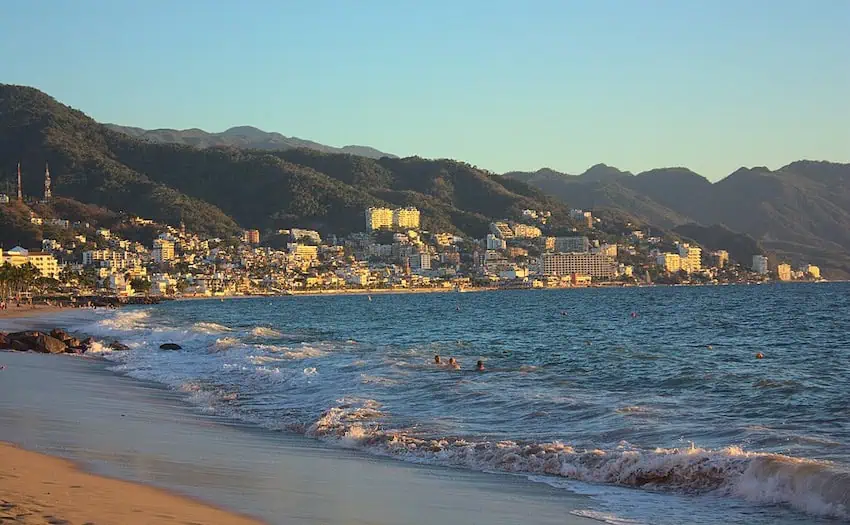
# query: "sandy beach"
[[37, 489], [15, 312], [117, 428]]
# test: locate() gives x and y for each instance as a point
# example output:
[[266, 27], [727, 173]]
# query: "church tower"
[[47, 192]]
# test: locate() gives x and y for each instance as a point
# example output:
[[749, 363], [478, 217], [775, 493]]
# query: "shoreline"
[[165, 444], [39, 488]]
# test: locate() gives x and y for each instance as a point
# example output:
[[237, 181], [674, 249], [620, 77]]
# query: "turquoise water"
[[651, 400]]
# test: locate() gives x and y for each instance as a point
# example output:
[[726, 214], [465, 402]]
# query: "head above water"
[[437, 359], [479, 365]]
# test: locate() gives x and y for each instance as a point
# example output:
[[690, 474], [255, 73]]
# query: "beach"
[[36, 489], [121, 430]]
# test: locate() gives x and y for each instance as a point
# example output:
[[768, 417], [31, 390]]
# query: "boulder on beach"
[[170, 346], [49, 345], [5, 343], [115, 345], [60, 334]]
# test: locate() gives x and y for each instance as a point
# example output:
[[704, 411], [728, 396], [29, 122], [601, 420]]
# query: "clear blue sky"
[[506, 85]]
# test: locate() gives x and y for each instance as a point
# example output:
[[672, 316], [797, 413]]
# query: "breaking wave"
[[265, 332], [815, 487]]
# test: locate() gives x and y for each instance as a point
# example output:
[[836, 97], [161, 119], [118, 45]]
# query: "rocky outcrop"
[[116, 346], [55, 342], [170, 346]]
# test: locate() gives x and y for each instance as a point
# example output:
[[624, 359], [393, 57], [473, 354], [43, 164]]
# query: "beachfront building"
[[783, 272], [572, 244], [760, 265], [45, 262], [690, 257], [812, 271], [670, 262], [720, 258], [163, 250], [562, 264]]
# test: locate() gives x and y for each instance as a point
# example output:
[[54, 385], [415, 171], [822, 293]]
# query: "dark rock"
[[115, 345], [49, 345], [60, 334], [72, 342], [170, 346], [20, 345], [23, 341], [4, 341]]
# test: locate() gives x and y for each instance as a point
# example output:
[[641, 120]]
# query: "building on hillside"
[[444, 239], [691, 258], [670, 262], [583, 217], [297, 234], [760, 265], [524, 231], [812, 271], [251, 236], [562, 264], [572, 244], [783, 272], [720, 258], [607, 249], [406, 218], [495, 243], [163, 250], [45, 262], [420, 261], [379, 219], [304, 252], [501, 230]]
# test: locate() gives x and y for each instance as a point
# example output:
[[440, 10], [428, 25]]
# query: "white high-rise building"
[[760, 264], [163, 250], [561, 264]]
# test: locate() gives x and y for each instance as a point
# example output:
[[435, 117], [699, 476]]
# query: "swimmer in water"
[[479, 366], [437, 360], [453, 363]]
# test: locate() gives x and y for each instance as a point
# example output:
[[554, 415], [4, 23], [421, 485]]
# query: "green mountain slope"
[[801, 212], [221, 190]]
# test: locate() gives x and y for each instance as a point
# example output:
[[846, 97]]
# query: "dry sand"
[[14, 312], [38, 489]]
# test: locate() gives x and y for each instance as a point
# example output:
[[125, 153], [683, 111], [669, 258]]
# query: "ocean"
[[649, 400]]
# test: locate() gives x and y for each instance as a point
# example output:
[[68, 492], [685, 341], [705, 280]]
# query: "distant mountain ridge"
[[246, 137], [800, 212], [219, 191]]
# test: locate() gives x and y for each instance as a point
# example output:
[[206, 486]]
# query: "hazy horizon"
[[564, 85]]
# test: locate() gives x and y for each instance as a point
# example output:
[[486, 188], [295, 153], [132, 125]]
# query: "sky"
[[712, 85]]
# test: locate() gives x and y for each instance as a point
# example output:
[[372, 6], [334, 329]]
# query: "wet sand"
[[73, 407], [36, 489]]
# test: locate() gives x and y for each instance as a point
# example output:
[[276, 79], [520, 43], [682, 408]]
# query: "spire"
[[47, 192], [20, 190]]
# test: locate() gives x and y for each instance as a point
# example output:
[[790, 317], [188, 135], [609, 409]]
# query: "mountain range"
[[221, 190], [800, 212], [245, 137]]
